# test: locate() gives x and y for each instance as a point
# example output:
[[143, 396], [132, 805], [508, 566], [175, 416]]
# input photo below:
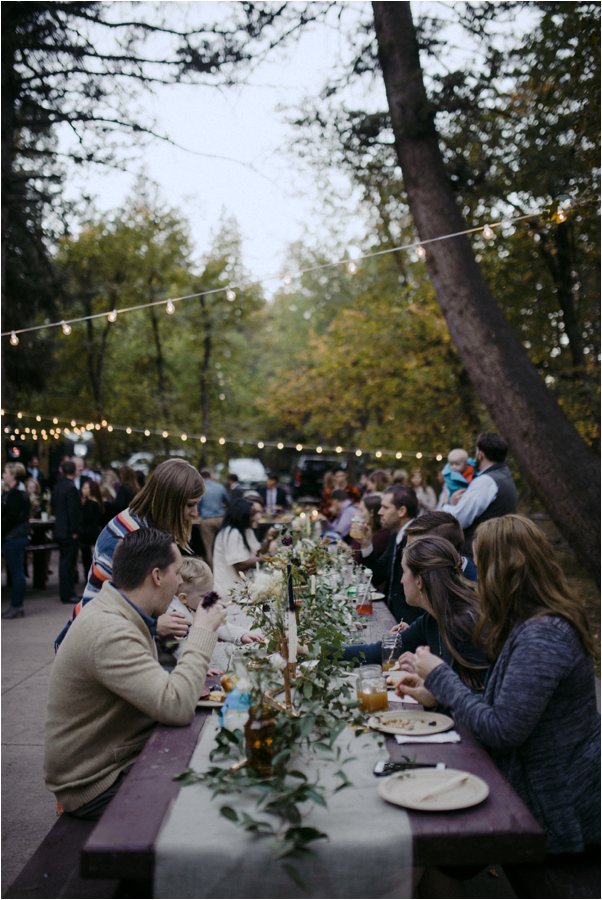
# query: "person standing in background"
[[67, 529], [212, 506], [15, 534]]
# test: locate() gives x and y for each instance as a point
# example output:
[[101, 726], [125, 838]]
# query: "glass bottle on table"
[[260, 734]]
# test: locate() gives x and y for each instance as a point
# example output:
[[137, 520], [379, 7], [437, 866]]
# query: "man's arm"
[[479, 494]]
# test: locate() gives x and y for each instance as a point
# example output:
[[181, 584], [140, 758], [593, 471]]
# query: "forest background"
[[356, 355]]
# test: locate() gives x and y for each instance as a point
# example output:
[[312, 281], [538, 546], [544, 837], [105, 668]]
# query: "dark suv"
[[308, 474]]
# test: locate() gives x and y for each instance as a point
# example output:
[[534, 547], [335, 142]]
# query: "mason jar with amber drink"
[[260, 733], [371, 689]]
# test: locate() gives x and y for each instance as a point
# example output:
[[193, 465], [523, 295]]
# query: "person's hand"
[[213, 672], [425, 661], [210, 618], [272, 533], [412, 685], [406, 662], [401, 626], [253, 637], [172, 624], [456, 496]]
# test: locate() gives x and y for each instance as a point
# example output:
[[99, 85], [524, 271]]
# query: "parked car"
[[308, 474], [141, 461], [250, 472]]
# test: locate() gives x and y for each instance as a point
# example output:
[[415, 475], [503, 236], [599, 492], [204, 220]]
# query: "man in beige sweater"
[[107, 689]]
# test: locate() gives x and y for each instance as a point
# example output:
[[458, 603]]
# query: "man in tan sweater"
[[107, 689]]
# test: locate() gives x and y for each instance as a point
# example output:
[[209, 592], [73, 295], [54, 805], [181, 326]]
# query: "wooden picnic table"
[[501, 829]]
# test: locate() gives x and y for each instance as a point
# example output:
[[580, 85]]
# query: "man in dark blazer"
[[399, 507], [272, 495], [67, 508]]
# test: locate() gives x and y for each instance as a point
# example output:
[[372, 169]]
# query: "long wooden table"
[[501, 829]]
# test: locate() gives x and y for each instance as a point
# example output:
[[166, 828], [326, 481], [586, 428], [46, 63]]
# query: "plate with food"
[[212, 699], [416, 722], [434, 790]]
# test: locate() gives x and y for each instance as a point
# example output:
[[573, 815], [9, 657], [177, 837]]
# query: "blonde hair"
[[196, 571], [17, 470], [458, 452], [162, 500], [520, 579]]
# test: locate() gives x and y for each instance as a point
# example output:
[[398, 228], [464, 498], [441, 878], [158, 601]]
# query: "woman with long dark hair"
[[236, 548], [433, 580], [538, 715]]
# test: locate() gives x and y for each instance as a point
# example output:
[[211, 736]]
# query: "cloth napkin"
[[444, 737]]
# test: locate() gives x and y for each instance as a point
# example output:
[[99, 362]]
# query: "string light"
[[287, 279], [230, 295], [72, 425], [14, 340], [488, 233], [351, 267], [112, 316]]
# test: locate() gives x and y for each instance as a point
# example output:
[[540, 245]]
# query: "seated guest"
[[107, 690], [448, 527], [342, 510], [196, 580], [377, 481], [236, 548], [449, 609], [538, 714], [398, 508], [368, 509], [272, 495]]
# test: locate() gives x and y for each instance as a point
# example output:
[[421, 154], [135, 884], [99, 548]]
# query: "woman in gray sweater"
[[538, 715]]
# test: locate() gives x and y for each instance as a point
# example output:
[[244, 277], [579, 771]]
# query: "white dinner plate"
[[412, 789], [415, 722], [376, 595]]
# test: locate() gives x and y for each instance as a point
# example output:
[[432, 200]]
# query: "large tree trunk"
[[561, 468]]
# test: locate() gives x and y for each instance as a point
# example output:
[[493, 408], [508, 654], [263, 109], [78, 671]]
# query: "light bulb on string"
[[378, 454], [230, 295], [299, 447], [260, 444], [419, 455], [184, 437], [165, 434], [280, 445], [112, 316], [221, 441], [20, 416], [38, 418], [128, 430], [203, 439], [104, 423], [488, 233], [352, 267], [146, 432], [399, 455], [439, 458], [170, 307], [73, 423], [14, 339], [55, 421], [358, 452], [66, 327], [286, 280], [338, 449], [319, 449], [420, 253], [109, 428]]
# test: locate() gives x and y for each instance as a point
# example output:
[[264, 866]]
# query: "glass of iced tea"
[[371, 689]]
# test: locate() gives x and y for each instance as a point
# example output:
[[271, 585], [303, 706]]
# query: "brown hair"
[[453, 599], [438, 522], [519, 579], [372, 503], [127, 478], [380, 479], [162, 500]]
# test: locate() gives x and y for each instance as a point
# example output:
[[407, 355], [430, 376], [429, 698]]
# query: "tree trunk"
[[160, 367], [204, 377], [561, 468]]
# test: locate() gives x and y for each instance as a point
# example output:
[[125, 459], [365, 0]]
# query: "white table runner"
[[201, 854]]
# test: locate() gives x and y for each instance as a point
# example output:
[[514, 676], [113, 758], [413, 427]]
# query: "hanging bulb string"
[[112, 314], [63, 424]]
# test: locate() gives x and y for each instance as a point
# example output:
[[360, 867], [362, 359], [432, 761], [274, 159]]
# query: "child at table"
[[196, 581]]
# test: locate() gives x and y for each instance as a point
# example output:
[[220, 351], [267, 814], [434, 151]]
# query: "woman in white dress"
[[236, 548]]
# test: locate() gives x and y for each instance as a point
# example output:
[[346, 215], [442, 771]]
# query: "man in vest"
[[492, 493]]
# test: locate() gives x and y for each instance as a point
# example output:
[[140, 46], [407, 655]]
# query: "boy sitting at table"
[[196, 581]]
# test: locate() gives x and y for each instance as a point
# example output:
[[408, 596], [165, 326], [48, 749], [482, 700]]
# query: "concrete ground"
[[28, 809]]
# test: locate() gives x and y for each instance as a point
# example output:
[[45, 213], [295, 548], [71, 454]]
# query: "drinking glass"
[[371, 689]]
